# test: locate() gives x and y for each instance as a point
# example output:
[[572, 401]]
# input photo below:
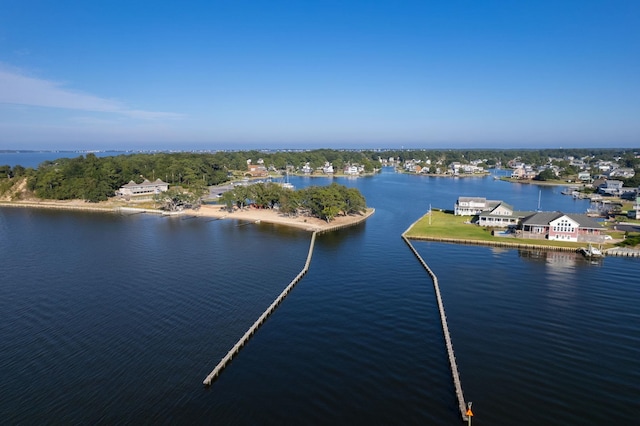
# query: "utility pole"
[[469, 412]]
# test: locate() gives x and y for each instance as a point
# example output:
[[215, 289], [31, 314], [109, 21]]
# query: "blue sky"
[[309, 74]]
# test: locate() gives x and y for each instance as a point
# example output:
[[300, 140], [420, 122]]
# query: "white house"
[[584, 176], [622, 172], [471, 206], [306, 169], [351, 170], [501, 215], [144, 188]]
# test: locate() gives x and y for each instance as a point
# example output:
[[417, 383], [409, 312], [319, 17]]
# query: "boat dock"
[[447, 336], [251, 331], [622, 252]]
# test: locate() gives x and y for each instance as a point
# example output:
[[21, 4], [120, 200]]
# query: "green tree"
[[176, 199], [546, 174]]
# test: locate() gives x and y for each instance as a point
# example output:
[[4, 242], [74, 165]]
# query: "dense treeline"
[[94, 179], [325, 202]]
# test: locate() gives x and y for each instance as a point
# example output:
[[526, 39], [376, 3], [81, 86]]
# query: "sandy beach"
[[248, 214], [273, 216]]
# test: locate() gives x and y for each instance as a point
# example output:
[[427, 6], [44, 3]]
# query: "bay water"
[[110, 318]]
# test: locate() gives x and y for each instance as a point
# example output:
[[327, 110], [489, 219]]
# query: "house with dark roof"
[[611, 187], [501, 215], [560, 226]]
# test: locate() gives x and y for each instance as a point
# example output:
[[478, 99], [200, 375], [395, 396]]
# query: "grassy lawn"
[[446, 225]]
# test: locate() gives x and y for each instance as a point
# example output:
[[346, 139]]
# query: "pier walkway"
[[251, 331], [445, 330], [261, 319]]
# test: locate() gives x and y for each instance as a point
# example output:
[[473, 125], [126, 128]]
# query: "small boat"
[[571, 190], [286, 183], [591, 252]]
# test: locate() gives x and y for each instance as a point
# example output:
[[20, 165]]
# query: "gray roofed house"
[[501, 215], [145, 188], [471, 206], [561, 227]]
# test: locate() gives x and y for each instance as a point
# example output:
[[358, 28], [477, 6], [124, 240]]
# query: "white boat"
[[591, 251], [286, 183]]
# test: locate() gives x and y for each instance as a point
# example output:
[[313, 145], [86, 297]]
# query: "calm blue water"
[[111, 319]]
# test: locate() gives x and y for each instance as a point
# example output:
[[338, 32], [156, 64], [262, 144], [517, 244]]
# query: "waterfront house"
[[455, 167], [350, 169], [145, 188], [561, 227], [611, 187], [502, 215], [471, 206], [306, 169], [328, 168]]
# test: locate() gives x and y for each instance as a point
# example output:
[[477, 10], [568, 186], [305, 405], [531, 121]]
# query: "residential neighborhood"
[[603, 176]]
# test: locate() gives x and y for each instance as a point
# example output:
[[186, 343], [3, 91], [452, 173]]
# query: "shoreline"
[[270, 216], [211, 211]]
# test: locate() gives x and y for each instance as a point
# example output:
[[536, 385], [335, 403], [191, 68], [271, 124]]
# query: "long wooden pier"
[[447, 336], [251, 331]]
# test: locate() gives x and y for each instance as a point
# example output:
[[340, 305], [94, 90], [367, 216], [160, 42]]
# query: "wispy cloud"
[[17, 88]]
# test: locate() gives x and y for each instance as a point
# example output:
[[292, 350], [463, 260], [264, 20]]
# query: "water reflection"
[[562, 259]]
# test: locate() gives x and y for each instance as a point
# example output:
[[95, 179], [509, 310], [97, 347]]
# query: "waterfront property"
[[145, 188], [560, 226], [502, 215], [553, 226], [126, 324], [471, 206]]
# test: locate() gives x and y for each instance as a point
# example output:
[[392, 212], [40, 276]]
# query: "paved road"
[[628, 227]]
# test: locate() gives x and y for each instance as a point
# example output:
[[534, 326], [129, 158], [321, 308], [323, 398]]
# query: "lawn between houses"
[[445, 225]]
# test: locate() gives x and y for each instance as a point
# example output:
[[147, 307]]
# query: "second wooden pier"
[[462, 405]]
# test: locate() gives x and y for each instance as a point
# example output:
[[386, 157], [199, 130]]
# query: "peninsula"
[[249, 214], [442, 226], [307, 223]]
